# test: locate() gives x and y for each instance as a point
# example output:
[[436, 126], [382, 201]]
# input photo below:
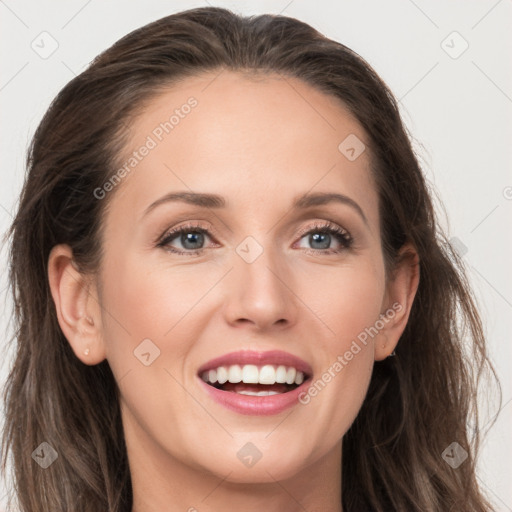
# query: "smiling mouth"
[[254, 380]]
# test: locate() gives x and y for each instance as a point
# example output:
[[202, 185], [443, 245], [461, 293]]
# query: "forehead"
[[250, 138]]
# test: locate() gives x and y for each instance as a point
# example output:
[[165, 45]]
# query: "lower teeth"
[[257, 393], [254, 390]]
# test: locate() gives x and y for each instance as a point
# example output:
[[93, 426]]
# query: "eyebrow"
[[215, 201]]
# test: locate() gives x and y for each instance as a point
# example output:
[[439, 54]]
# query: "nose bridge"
[[259, 290]]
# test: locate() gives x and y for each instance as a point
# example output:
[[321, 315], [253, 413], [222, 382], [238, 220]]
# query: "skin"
[[259, 142]]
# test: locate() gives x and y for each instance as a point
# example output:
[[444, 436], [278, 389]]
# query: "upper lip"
[[242, 357]]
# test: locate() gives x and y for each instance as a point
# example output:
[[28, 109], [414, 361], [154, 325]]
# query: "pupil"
[[191, 238], [317, 236]]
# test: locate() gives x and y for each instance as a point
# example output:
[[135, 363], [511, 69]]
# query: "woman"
[[183, 343]]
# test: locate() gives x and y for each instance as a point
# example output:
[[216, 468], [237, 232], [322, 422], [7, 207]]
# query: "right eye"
[[191, 238]]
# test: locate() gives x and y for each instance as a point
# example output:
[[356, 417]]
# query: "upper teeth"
[[252, 374]]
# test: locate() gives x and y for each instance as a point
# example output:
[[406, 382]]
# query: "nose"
[[260, 293]]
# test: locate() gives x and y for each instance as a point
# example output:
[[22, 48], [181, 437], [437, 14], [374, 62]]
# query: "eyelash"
[[320, 227]]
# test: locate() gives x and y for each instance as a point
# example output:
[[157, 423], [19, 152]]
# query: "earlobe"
[[400, 293], [76, 307]]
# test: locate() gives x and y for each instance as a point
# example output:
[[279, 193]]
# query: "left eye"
[[320, 238]]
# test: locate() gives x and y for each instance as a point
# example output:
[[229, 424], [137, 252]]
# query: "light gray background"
[[457, 107]]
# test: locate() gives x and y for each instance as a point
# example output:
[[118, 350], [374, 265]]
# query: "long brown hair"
[[418, 402]]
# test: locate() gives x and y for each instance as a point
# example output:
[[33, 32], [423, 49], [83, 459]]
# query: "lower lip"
[[255, 405]]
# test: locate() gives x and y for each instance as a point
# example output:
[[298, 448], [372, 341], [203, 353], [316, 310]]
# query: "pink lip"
[[241, 357], [256, 405]]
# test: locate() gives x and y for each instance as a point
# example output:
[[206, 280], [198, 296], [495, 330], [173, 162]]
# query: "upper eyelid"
[[191, 227], [325, 225]]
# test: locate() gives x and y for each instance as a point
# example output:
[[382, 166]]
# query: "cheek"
[[151, 298], [142, 302], [156, 310], [348, 301], [354, 310], [348, 298]]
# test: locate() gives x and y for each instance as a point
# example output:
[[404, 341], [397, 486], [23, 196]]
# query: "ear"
[[400, 292], [76, 302]]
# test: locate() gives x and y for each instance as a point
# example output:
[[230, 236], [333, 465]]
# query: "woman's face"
[[252, 271]]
